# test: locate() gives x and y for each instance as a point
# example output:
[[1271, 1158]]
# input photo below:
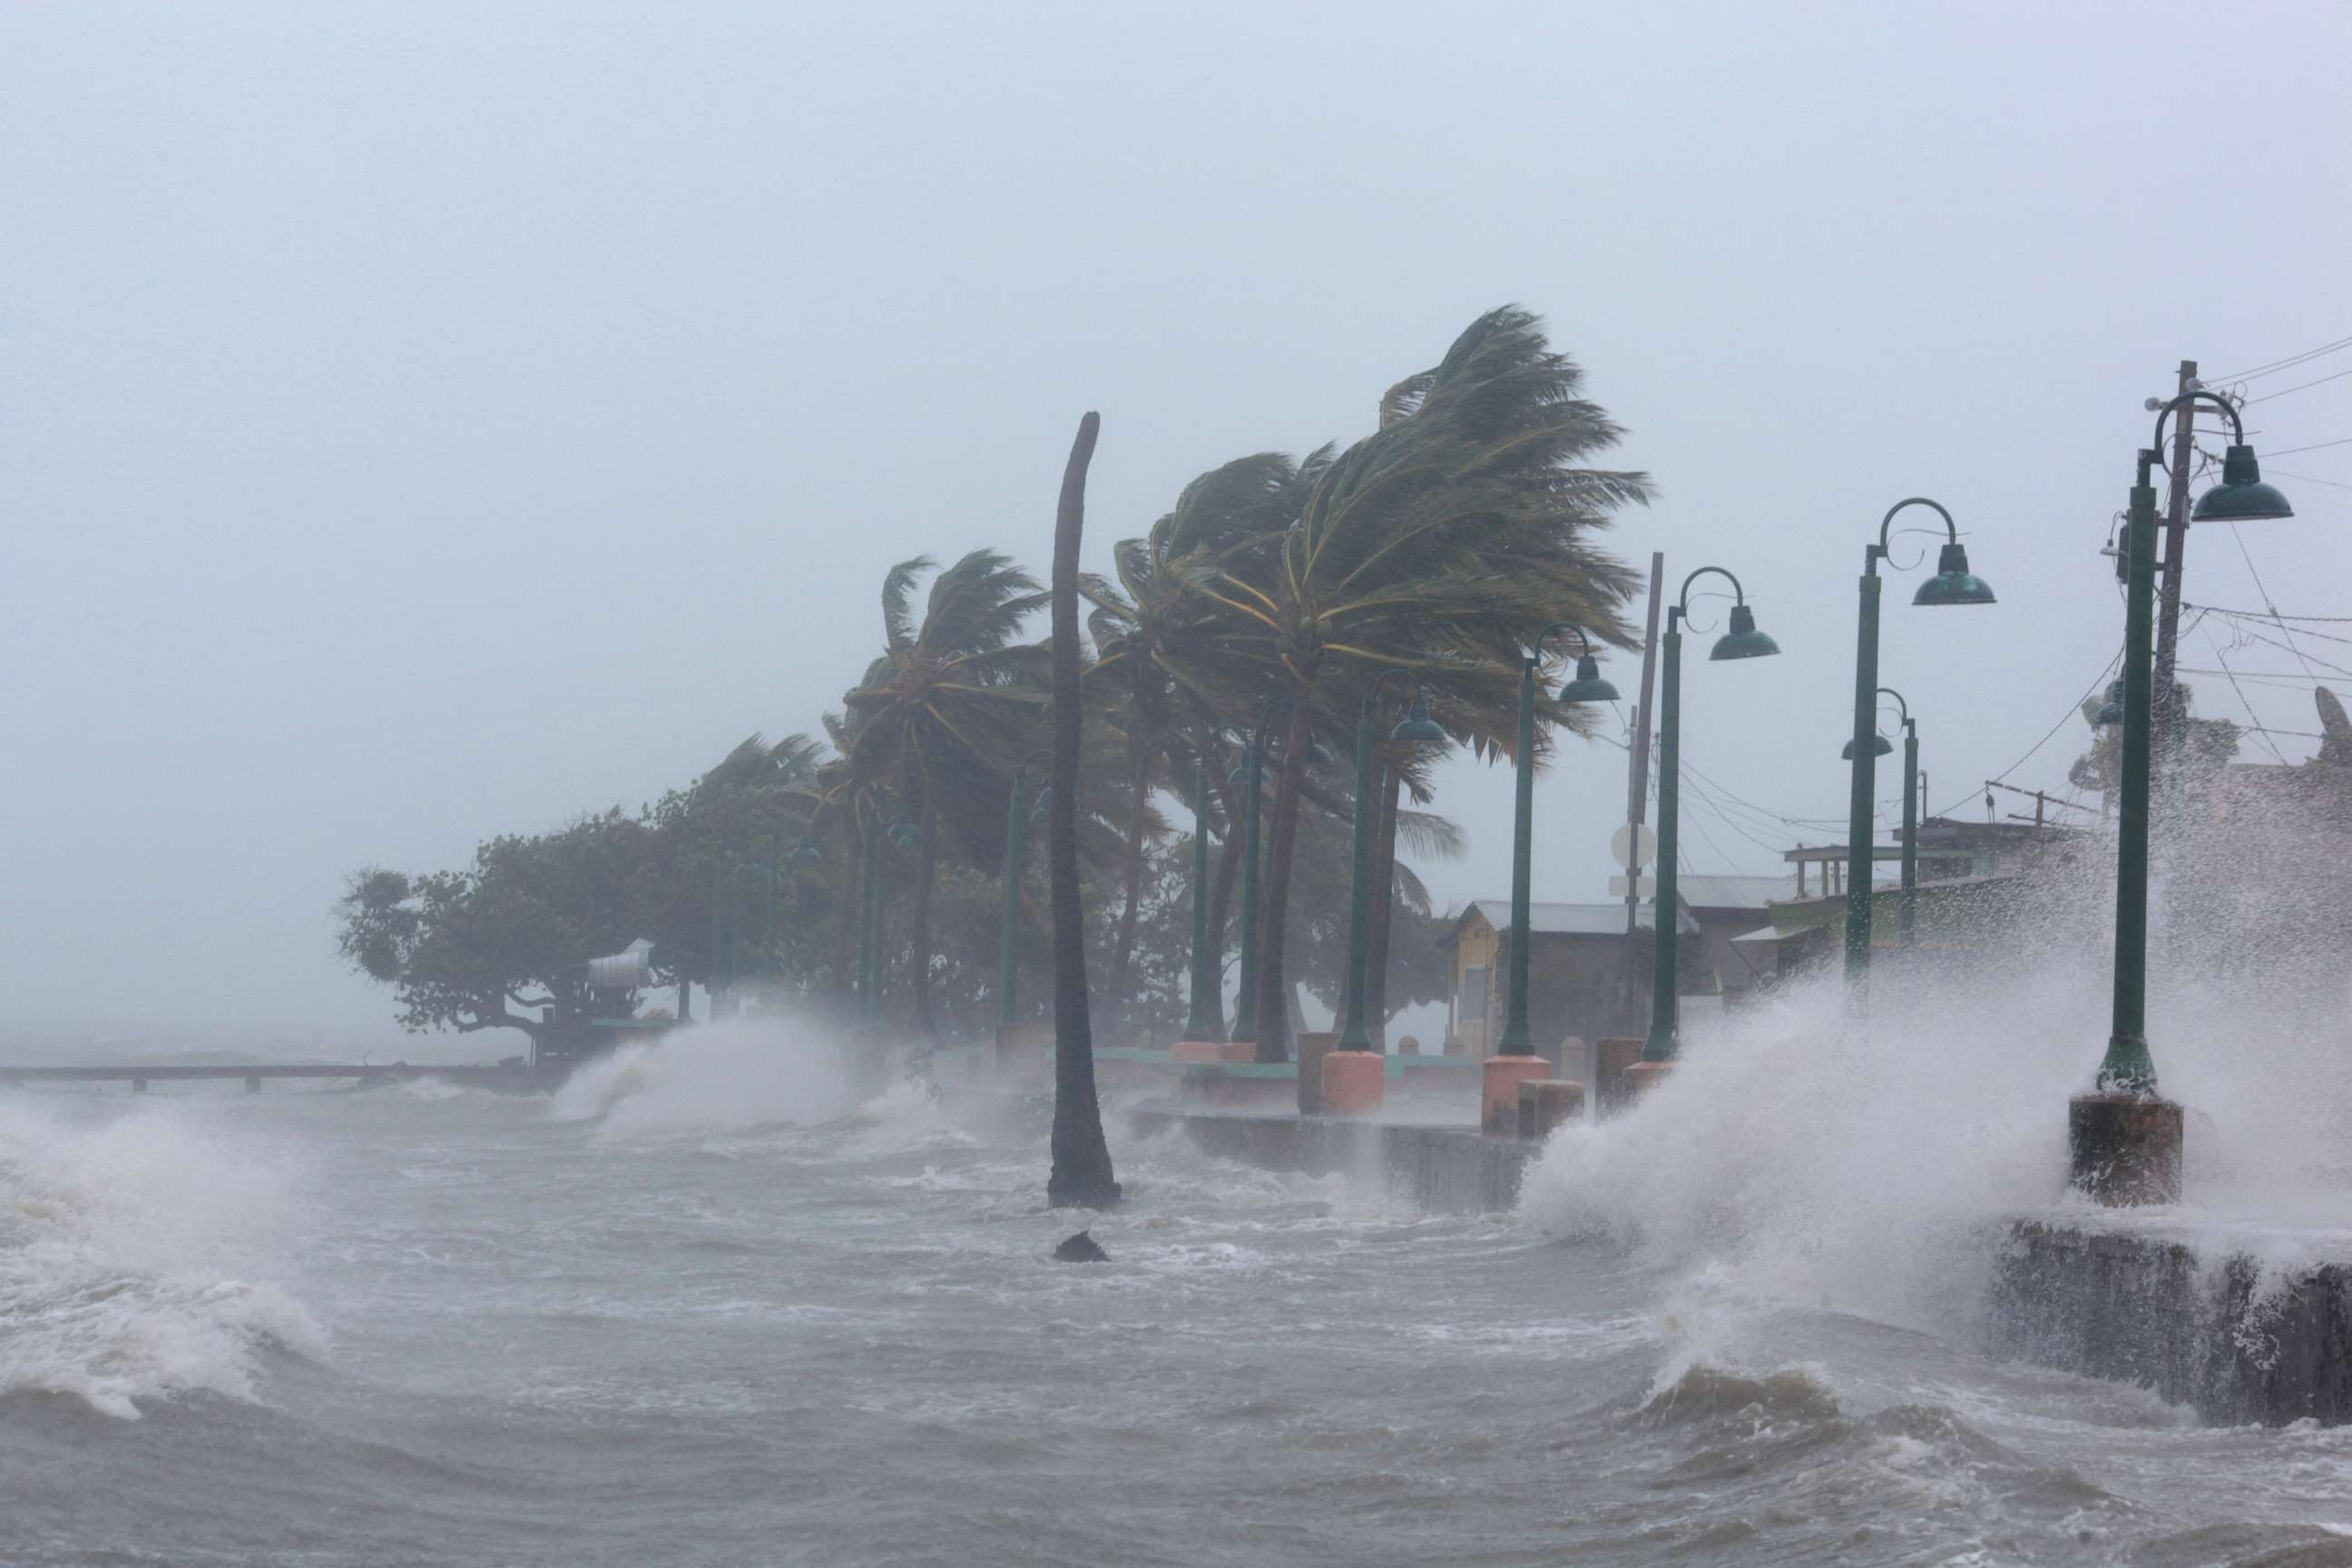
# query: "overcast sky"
[[423, 421]]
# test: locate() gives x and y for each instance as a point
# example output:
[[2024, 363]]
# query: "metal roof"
[[1705, 892], [1564, 920]]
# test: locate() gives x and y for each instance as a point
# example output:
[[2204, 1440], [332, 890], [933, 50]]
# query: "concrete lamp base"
[[1546, 1103], [1194, 1052], [1312, 1046], [1354, 1082], [1500, 1080], [1611, 1057], [1640, 1077], [2125, 1149]]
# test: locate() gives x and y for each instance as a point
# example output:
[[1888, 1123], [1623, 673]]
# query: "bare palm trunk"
[[925, 880], [1122, 951], [1273, 1005], [848, 912], [1386, 795], [1081, 1176], [1221, 904]]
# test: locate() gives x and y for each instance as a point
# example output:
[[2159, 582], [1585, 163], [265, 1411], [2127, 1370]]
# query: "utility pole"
[[2167, 728], [1637, 788]]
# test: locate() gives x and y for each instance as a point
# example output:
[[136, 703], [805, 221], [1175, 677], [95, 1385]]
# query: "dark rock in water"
[[1081, 1248]]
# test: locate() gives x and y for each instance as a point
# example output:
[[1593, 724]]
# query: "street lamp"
[[1879, 747], [1417, 728], [1250, 778], [1742, 641], [1953, 584], [2124, 1141], [1587, 685]]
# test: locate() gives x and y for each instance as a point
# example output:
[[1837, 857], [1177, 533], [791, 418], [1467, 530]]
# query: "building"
[[1579, 964]]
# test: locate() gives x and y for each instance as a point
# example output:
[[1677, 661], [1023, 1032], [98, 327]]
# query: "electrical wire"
[[2316, 445], [2073, 710], [2243, 701], [2274, 366], [2282, 392]]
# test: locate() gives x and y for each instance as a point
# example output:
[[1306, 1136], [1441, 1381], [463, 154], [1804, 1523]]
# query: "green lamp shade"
[[1879, 746], [1238, 777], [1743, 640], [805, 852], [1953, 583], [2111, 711], [1588, 686], [2240, 497], [1418, 728]]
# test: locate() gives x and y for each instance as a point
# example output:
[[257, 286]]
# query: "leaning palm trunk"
[[1390, 786], [1122, 953], [1081, 1176], [1221, 904], [926, 881], [1273, 994]]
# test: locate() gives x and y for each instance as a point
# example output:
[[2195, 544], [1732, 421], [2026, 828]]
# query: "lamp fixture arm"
[[1901, 705], [1681, 600], [1372, 698], [1534, 655], [2237, 425], [1877, 552]]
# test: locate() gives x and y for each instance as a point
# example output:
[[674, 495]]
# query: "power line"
[[2073, 709], [2316, 445], [2283, 391], [2243, 701], [2266, 616], [2274, 366]]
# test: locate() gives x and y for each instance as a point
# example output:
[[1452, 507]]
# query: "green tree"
[[1440, 543], [940, 718]]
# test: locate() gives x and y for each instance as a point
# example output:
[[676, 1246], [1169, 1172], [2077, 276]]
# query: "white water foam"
[[737, 1073], [133, 1261]]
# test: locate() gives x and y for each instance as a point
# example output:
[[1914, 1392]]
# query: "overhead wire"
[[2273, 366]]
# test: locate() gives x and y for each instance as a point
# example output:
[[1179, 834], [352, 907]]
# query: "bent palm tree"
[[941, 714], [1442, 543], [1081, 1174]]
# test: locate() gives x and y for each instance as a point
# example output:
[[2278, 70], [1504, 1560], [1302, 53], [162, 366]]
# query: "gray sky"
[[421, 421]]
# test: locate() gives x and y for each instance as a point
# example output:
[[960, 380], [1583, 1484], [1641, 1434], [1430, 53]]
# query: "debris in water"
[[1081, 1248]]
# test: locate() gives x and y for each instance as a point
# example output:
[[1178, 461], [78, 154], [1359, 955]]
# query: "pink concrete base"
[[1501, 1075], [1212, 1051], [1354, 1082], [1640, 1077]]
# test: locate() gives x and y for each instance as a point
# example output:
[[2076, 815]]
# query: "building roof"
[[1700, 892], [1562, 920]]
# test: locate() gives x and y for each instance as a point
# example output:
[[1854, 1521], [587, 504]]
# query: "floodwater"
[[703, 1308]]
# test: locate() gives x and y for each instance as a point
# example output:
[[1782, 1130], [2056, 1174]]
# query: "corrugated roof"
[[1702, 892], [1564, 920]]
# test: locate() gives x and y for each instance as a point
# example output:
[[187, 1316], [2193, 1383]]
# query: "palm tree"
[[941, 714], [1081, 1174], [1155, 637], [1440, 544]]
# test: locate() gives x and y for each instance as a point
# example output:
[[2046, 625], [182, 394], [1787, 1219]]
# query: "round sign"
[[1633, 842]]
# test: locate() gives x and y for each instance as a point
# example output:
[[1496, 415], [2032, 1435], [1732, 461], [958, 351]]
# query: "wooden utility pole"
[[2168, 720], [1637, 788]]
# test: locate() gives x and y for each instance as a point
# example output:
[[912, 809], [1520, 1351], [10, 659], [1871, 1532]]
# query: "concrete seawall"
[[2192, 1316], [1446, 1169], [2198, 1323]]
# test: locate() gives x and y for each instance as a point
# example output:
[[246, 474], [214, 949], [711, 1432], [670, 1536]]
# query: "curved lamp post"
[[1953, 584], [1586, 686], [2240, 497], [1416, 727], [1016, 842], [1742, 641], [1879, 747]]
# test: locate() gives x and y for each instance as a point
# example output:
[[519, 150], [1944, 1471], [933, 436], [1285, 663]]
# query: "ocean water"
[[708, 1306]]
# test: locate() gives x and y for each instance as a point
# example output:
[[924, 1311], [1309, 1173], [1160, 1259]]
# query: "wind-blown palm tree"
[[1155, 637], [1440, 544], [1081, 1174], [939, 718]]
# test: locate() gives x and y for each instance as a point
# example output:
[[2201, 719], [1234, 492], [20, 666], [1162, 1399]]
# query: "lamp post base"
[[1191, 1053], [2125, 1149], [1546, 1103], [1354, 1082], [1312, 1046], [1639, 1079], [1499, 1080]]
